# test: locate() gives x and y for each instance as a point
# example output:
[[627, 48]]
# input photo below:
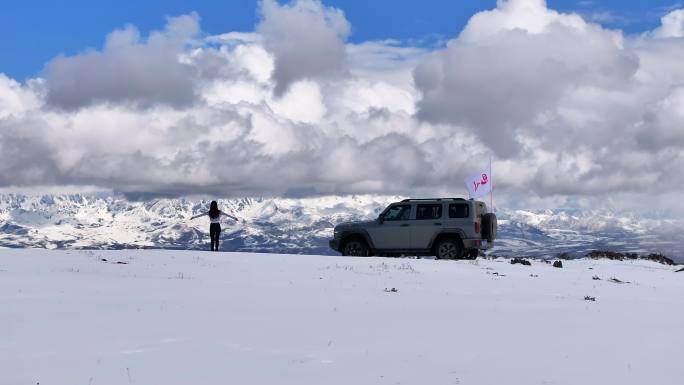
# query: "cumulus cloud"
[[663, 124], [672, 25], [128, 69], [26, 158], [568, 109], [16, 99], [512, 65], [306, 38]]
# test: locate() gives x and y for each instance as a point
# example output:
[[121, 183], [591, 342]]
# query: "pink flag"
[[480, 184]]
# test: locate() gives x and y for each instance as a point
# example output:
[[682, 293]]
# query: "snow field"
[[192, 317]]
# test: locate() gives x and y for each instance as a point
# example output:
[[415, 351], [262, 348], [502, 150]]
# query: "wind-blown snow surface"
[[301, 225], [192, 317]]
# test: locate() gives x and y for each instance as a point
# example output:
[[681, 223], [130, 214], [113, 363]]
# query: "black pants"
[[214, 232]]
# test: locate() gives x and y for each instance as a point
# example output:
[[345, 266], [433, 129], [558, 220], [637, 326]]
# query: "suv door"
[[395, 230], [427, 224]]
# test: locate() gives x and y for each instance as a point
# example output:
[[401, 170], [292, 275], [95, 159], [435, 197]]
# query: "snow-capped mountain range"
[[300, 225]]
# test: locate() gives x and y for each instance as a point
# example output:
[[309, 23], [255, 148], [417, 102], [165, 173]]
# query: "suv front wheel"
[[448, 249], [355, 248]]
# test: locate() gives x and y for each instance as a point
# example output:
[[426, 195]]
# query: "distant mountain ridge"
[[283, 225]]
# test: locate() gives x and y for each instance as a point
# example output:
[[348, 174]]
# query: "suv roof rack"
[[433, 199]]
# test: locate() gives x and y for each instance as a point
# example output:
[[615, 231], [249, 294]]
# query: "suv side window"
[[459, 210], [429, 211], [398, 213]]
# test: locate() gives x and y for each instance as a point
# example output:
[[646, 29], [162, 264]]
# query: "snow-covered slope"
[[299, 225], [548, 232], [193, 317]]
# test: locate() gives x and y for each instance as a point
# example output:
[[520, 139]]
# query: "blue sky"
[[33, 31]]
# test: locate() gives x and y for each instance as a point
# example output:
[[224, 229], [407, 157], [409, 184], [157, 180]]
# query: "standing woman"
[[215, 228]]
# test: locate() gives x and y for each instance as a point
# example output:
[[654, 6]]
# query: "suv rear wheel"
[[355, 248], [448, 249]]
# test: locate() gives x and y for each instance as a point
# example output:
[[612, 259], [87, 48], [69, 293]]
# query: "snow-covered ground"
[[192, 317]]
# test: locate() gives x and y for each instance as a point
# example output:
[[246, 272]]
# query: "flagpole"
[[491, 191]]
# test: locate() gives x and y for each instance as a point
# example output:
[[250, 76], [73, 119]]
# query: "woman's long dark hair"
[[213, 210]]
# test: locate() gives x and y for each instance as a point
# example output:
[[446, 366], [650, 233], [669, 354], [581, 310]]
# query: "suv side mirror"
[[381, 219]]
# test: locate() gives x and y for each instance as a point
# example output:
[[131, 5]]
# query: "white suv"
[[448, 228]]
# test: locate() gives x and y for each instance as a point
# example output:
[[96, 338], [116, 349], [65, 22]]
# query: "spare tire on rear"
[[489, 226]]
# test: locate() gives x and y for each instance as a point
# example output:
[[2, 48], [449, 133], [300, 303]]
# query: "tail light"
[[477, 227]]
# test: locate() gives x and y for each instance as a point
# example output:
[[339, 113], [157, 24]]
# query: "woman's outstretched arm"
[[200, 215], [228, 215]]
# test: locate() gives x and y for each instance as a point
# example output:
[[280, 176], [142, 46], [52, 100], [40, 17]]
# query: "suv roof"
[[433, 199]]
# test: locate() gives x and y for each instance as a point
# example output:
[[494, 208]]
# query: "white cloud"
[[128, 69], [15, 99], [672, 25], [663, 124], [530, 16], [513, 64], [306, 38], [303, 103]]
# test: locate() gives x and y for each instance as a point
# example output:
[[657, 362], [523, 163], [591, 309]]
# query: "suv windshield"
[[397, 213]]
